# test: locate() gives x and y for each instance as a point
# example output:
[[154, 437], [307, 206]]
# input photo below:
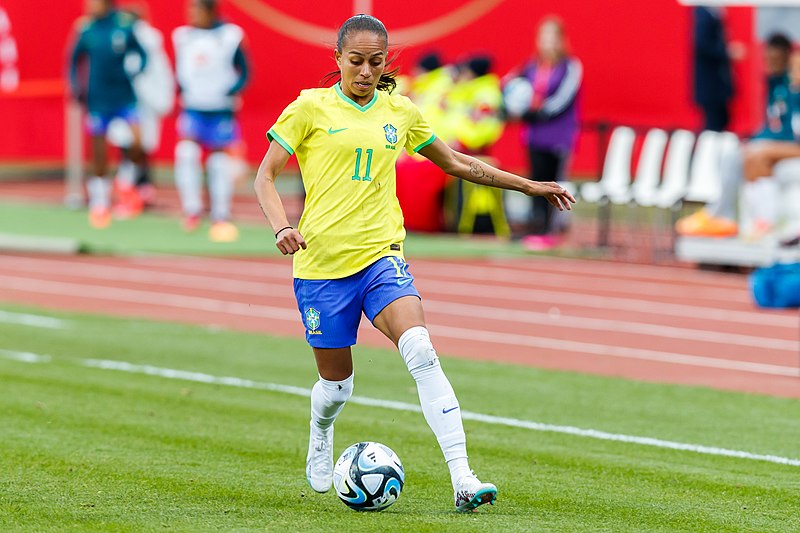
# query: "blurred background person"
[[212, 69], [719, 218], [420, 183], [473, 123], [713, 80], [105, 39], [155, 93], [551, 83]]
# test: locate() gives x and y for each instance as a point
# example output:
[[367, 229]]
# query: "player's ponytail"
[[387, 81]]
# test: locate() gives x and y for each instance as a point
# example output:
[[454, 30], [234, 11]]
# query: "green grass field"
[[91, 449]]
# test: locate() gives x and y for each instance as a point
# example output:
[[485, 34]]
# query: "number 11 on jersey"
[[357, 170]]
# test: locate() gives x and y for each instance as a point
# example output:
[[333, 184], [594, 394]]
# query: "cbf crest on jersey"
[[312, 321], [391, 135]]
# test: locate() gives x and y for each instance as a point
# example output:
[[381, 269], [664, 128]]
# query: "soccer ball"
[[368, 477], [517, 96]]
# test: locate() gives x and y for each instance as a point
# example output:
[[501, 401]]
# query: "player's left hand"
[[289, 241], [558, 196]]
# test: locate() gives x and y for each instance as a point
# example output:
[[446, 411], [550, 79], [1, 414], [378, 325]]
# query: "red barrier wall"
[[636, 57]]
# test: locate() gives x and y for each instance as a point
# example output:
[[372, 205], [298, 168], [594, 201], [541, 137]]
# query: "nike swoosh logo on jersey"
[[403, 281], [445, 411], [332, 131]]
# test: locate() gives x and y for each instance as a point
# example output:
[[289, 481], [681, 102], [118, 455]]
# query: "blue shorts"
[[331, 308], [97, 121], [210, 129]]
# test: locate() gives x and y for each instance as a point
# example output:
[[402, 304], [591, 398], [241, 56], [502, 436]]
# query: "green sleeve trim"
[[426, 143], [272, 136]]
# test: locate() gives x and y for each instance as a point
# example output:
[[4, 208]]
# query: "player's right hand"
[[289, 241]]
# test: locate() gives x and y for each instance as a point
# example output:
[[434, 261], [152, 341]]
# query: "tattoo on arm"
[[479, 172]]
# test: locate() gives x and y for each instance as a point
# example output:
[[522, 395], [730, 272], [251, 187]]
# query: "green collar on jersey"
[[351, 102]]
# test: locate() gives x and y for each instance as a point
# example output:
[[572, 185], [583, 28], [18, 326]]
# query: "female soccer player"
[[349, 244]]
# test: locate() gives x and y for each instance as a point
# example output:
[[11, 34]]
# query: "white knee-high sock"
[[99, 190], [436, 396], [220, 185], [189, 176], [327, 400]]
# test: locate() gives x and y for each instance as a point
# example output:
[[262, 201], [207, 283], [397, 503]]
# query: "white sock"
[[189, 176], [99, 191], [438, 401], [327, 400], [126, 174], [220, 185], [761, 200]]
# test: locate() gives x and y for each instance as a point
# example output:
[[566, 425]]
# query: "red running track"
[[654, 323]]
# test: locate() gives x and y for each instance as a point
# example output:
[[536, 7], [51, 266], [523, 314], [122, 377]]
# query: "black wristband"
[[280, 230]]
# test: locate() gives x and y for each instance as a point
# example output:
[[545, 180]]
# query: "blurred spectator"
[[473, 107], [432, 81], [105, 39], [211, 71], [548, 105], [155, 93], [420, 183], [775, 141], [9, 74], [713, 81]]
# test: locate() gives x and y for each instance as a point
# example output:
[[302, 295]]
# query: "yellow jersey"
[[347, 154]]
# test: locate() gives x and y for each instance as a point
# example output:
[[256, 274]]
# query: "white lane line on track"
[[595, 283], [200, 377], [291, 315], [506, 315], [604, 350], [35, 321], [136, 274]]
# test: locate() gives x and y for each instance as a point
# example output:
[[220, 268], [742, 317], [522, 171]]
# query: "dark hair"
[[479, 65], [779, 41], [363, 22], [430, 61], [209, 5]]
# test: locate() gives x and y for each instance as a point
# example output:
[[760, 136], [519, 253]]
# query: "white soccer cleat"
[[471, 494], [319, 461]]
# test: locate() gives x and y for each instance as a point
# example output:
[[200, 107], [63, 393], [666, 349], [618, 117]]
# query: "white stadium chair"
[[648, 171], [676, 169], [704, 175], [615, 182], [787, 174]]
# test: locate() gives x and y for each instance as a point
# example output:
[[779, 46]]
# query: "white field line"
[[35, 321], [280, 313], [135, 274], [25, 357], [200, 377]]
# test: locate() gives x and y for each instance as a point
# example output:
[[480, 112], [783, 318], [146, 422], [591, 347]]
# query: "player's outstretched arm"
[[287, 239], [471, 169]]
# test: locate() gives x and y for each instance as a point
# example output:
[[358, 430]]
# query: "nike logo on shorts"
[[445, 411], [332, 131]]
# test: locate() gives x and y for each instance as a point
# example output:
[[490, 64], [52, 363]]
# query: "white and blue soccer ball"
[[368, 476], [517, 96]]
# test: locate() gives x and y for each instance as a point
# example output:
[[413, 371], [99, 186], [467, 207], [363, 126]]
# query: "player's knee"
[[417, 350], [187, 151]]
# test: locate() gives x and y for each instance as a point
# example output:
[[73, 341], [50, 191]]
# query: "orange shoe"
[[130, 204], [191, 223], [223, 231], [701, 224], [99, 218]]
